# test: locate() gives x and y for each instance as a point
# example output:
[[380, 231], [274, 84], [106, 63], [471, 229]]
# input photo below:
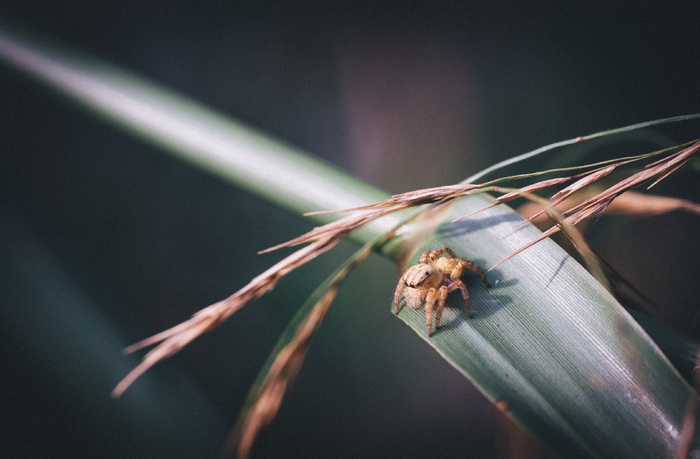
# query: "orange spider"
[[431, 280]]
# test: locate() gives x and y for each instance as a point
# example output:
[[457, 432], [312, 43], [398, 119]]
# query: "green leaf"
[[551, 345], [547, 341], [268, 168]]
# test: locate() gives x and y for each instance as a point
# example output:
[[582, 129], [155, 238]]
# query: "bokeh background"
[[105, 240]]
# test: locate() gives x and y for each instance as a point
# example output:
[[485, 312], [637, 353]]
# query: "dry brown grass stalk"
[[172, 340], [335, 230], [267, 398], [599, 202], [281, 374], [562, 207], [325, 237]]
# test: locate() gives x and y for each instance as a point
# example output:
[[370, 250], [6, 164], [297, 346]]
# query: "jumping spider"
[[431, 280]]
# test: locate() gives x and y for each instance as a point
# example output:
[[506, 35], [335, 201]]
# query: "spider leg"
[[472, 267], [442, 296], [458, 284], [444, 250], [397, 294], [425, 256], [429, 303]]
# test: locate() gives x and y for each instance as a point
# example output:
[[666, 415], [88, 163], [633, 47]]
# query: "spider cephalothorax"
[[431, 280]]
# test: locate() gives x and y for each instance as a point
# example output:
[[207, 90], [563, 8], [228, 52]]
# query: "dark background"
[[105, 240]]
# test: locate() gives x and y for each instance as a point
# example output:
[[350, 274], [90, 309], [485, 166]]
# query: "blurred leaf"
[[54, 324], [268, 168], [286, 359]]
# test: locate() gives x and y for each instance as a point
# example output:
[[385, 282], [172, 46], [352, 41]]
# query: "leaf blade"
[[268, 168], [550, 343]]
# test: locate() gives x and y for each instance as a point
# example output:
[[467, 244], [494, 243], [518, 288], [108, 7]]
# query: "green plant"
[[549, 345]]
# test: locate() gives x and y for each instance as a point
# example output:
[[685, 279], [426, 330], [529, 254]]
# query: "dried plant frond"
[[266, 397], [592, 260], [411, 198], [594, 173], [175, 338], [644, 205], [584, 181], [171, 341], [335, 230], [511, 195], [567, 207], [631, 203], [288, 361], [345, 225], [443, 194], [656, 171], [323, 238], [281, 374], [599, 202], [597, 266]]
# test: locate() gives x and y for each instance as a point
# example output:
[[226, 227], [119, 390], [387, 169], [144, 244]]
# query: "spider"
[[431, 280]]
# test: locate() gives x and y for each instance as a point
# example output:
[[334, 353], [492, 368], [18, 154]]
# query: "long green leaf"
[[547, 341], [270, 169], [551, 345]]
